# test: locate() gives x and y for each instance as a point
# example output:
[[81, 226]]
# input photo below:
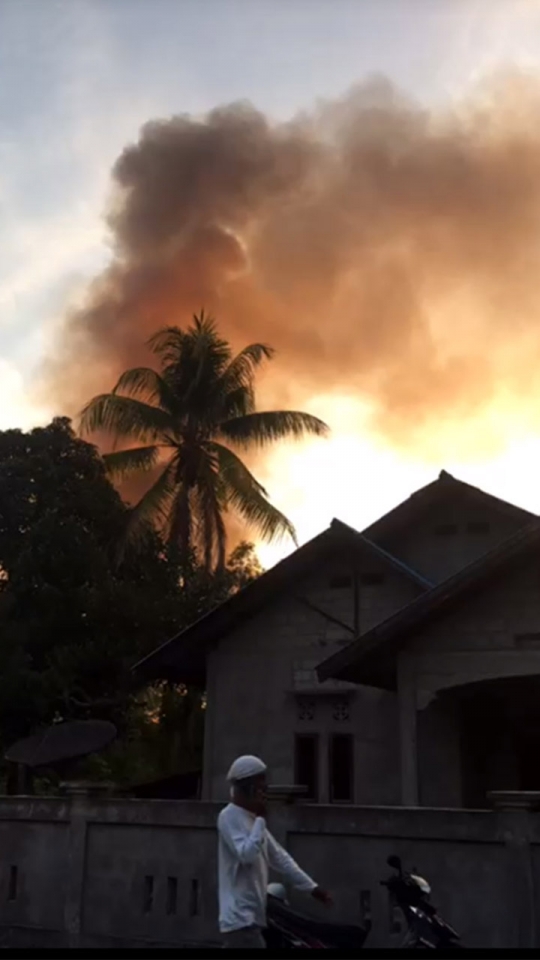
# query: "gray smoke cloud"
[[385, 250]]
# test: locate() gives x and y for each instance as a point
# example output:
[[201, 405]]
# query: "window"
[[478, 527], [446, 529], [341, 768], [371, 579], [341, 581], [306, 764]]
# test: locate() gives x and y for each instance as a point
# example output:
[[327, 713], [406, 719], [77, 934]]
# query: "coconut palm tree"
[[184, 421]]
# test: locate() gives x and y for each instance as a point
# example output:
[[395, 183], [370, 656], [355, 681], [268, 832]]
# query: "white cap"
[[245, 767]]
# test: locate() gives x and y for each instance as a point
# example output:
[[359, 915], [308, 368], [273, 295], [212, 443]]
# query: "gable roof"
[[183, 658], [407, 511], [371, 660]]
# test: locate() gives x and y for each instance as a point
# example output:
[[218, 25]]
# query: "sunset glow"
[[374, 215], [357, 478]]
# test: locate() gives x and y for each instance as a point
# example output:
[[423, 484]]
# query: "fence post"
[[514, 810], [76, 864]]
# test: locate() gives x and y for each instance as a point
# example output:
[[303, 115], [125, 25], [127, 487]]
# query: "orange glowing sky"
[[84, 76]]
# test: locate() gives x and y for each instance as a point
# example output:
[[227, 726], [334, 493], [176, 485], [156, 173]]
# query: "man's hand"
[[258, 807], [257, 804], [254, 805], [322, 896]]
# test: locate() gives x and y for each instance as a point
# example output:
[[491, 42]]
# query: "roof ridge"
[[397, 516]]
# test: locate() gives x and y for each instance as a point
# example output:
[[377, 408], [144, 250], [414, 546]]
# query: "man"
[[246, 852]]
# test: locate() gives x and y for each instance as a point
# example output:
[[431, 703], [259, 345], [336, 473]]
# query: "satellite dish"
[[69, 740]]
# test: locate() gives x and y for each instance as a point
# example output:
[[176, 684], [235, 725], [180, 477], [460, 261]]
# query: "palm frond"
[[237, 403], [260, 429], [247, 496], [193, 361], [167, 343], [147, 383], [237, 381], [243, 367], [125, 417], [154, 506], [213, 535], [204, 323], [211, 495], [123, 463], [182, 520], [171, 343]]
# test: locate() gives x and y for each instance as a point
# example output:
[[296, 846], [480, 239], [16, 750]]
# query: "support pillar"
[[516, 812], [76, 864], [408, 735]]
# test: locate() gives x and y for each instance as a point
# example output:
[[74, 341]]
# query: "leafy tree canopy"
[[74, 613]]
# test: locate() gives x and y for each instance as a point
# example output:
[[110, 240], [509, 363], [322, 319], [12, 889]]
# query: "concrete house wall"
[[262, 688], [492, 635]]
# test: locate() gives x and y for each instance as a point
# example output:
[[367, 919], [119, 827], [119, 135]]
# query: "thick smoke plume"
[[386, 251]]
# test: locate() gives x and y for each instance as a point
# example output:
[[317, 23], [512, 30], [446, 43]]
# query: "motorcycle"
[[426, 930], [287, 929]]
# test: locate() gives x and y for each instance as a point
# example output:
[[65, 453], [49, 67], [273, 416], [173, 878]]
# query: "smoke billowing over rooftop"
[[385, 250]]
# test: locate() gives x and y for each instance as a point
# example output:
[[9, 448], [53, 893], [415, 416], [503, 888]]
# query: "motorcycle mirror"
[[394, 862]]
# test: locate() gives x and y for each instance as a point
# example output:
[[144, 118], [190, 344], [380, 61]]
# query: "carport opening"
[[499, 736]]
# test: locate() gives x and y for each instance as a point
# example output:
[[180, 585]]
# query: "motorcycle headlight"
[[423, 884]]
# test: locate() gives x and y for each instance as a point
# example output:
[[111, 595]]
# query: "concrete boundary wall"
[[91, 872]]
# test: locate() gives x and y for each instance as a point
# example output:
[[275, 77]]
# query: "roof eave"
[[188, 669]]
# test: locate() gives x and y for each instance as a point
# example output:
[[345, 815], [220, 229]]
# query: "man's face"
[[260, 785], [253, 790]]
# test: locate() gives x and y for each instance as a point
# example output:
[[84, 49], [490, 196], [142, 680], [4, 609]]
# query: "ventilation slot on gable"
[[341, 581], [478, 527], [371, 579], [445, 529]]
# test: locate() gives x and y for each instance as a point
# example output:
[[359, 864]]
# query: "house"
[[397, 666]]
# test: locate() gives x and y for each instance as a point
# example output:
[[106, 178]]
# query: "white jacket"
[[246, 852]]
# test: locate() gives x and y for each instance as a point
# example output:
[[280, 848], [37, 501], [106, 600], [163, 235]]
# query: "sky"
[[78, 78]]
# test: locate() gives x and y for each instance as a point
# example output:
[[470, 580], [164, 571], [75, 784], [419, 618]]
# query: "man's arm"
[[282, 862], [244, 844]]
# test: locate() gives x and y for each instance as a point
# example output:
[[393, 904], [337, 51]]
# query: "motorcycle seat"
[[340, 935]]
